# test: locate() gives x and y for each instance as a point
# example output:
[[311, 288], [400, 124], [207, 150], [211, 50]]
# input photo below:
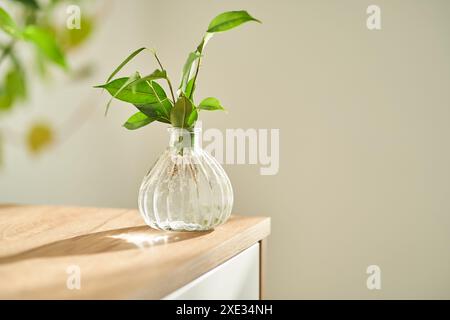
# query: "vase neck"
[[183, 138]]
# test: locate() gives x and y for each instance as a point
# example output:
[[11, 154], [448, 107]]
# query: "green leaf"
[[164, 105], [29, 3], [139, 94], [229, 20], [210, 104], [131, 79], [192, 119], [157, 74], [15, 83], [159, 110], [138, 120], [190, 88], [14, 88], [6, 100], [187, 69], [159, 91], [153, 111], [46, 44], [128, 59], [191, 64], [133, 84], [18, 80], [8, 25], [180, 113]]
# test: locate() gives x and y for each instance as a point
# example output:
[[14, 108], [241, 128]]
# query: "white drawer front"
[[237, 278]]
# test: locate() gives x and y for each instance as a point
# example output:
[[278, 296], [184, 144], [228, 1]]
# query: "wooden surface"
[[119, 257]]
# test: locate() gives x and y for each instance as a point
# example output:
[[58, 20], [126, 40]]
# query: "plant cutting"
[[187, 189]]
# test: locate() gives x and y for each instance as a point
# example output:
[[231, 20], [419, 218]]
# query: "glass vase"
[[186, 189]]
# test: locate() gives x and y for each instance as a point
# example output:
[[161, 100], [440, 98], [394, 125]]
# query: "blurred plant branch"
[[38, 25]]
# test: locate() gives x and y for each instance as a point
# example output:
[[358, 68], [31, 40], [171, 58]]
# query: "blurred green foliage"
[[41, 27], [39, 137]]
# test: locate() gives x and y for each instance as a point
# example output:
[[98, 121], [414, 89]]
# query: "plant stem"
[[167, 78], [196, 72], [171, 90]]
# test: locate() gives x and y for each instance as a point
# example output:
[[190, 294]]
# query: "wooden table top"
[[118, 256]]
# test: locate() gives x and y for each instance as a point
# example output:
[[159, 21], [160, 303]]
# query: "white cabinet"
[[236, 279]]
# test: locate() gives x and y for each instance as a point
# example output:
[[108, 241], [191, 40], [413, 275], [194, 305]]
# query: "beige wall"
[[363, 116]]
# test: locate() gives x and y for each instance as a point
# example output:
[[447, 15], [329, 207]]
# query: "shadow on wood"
[[141, 238]]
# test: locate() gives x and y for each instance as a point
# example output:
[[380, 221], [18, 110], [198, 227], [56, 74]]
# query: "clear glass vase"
[[187, 189]]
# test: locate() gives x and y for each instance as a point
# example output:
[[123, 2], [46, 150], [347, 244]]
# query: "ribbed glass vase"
[[187, 189]]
